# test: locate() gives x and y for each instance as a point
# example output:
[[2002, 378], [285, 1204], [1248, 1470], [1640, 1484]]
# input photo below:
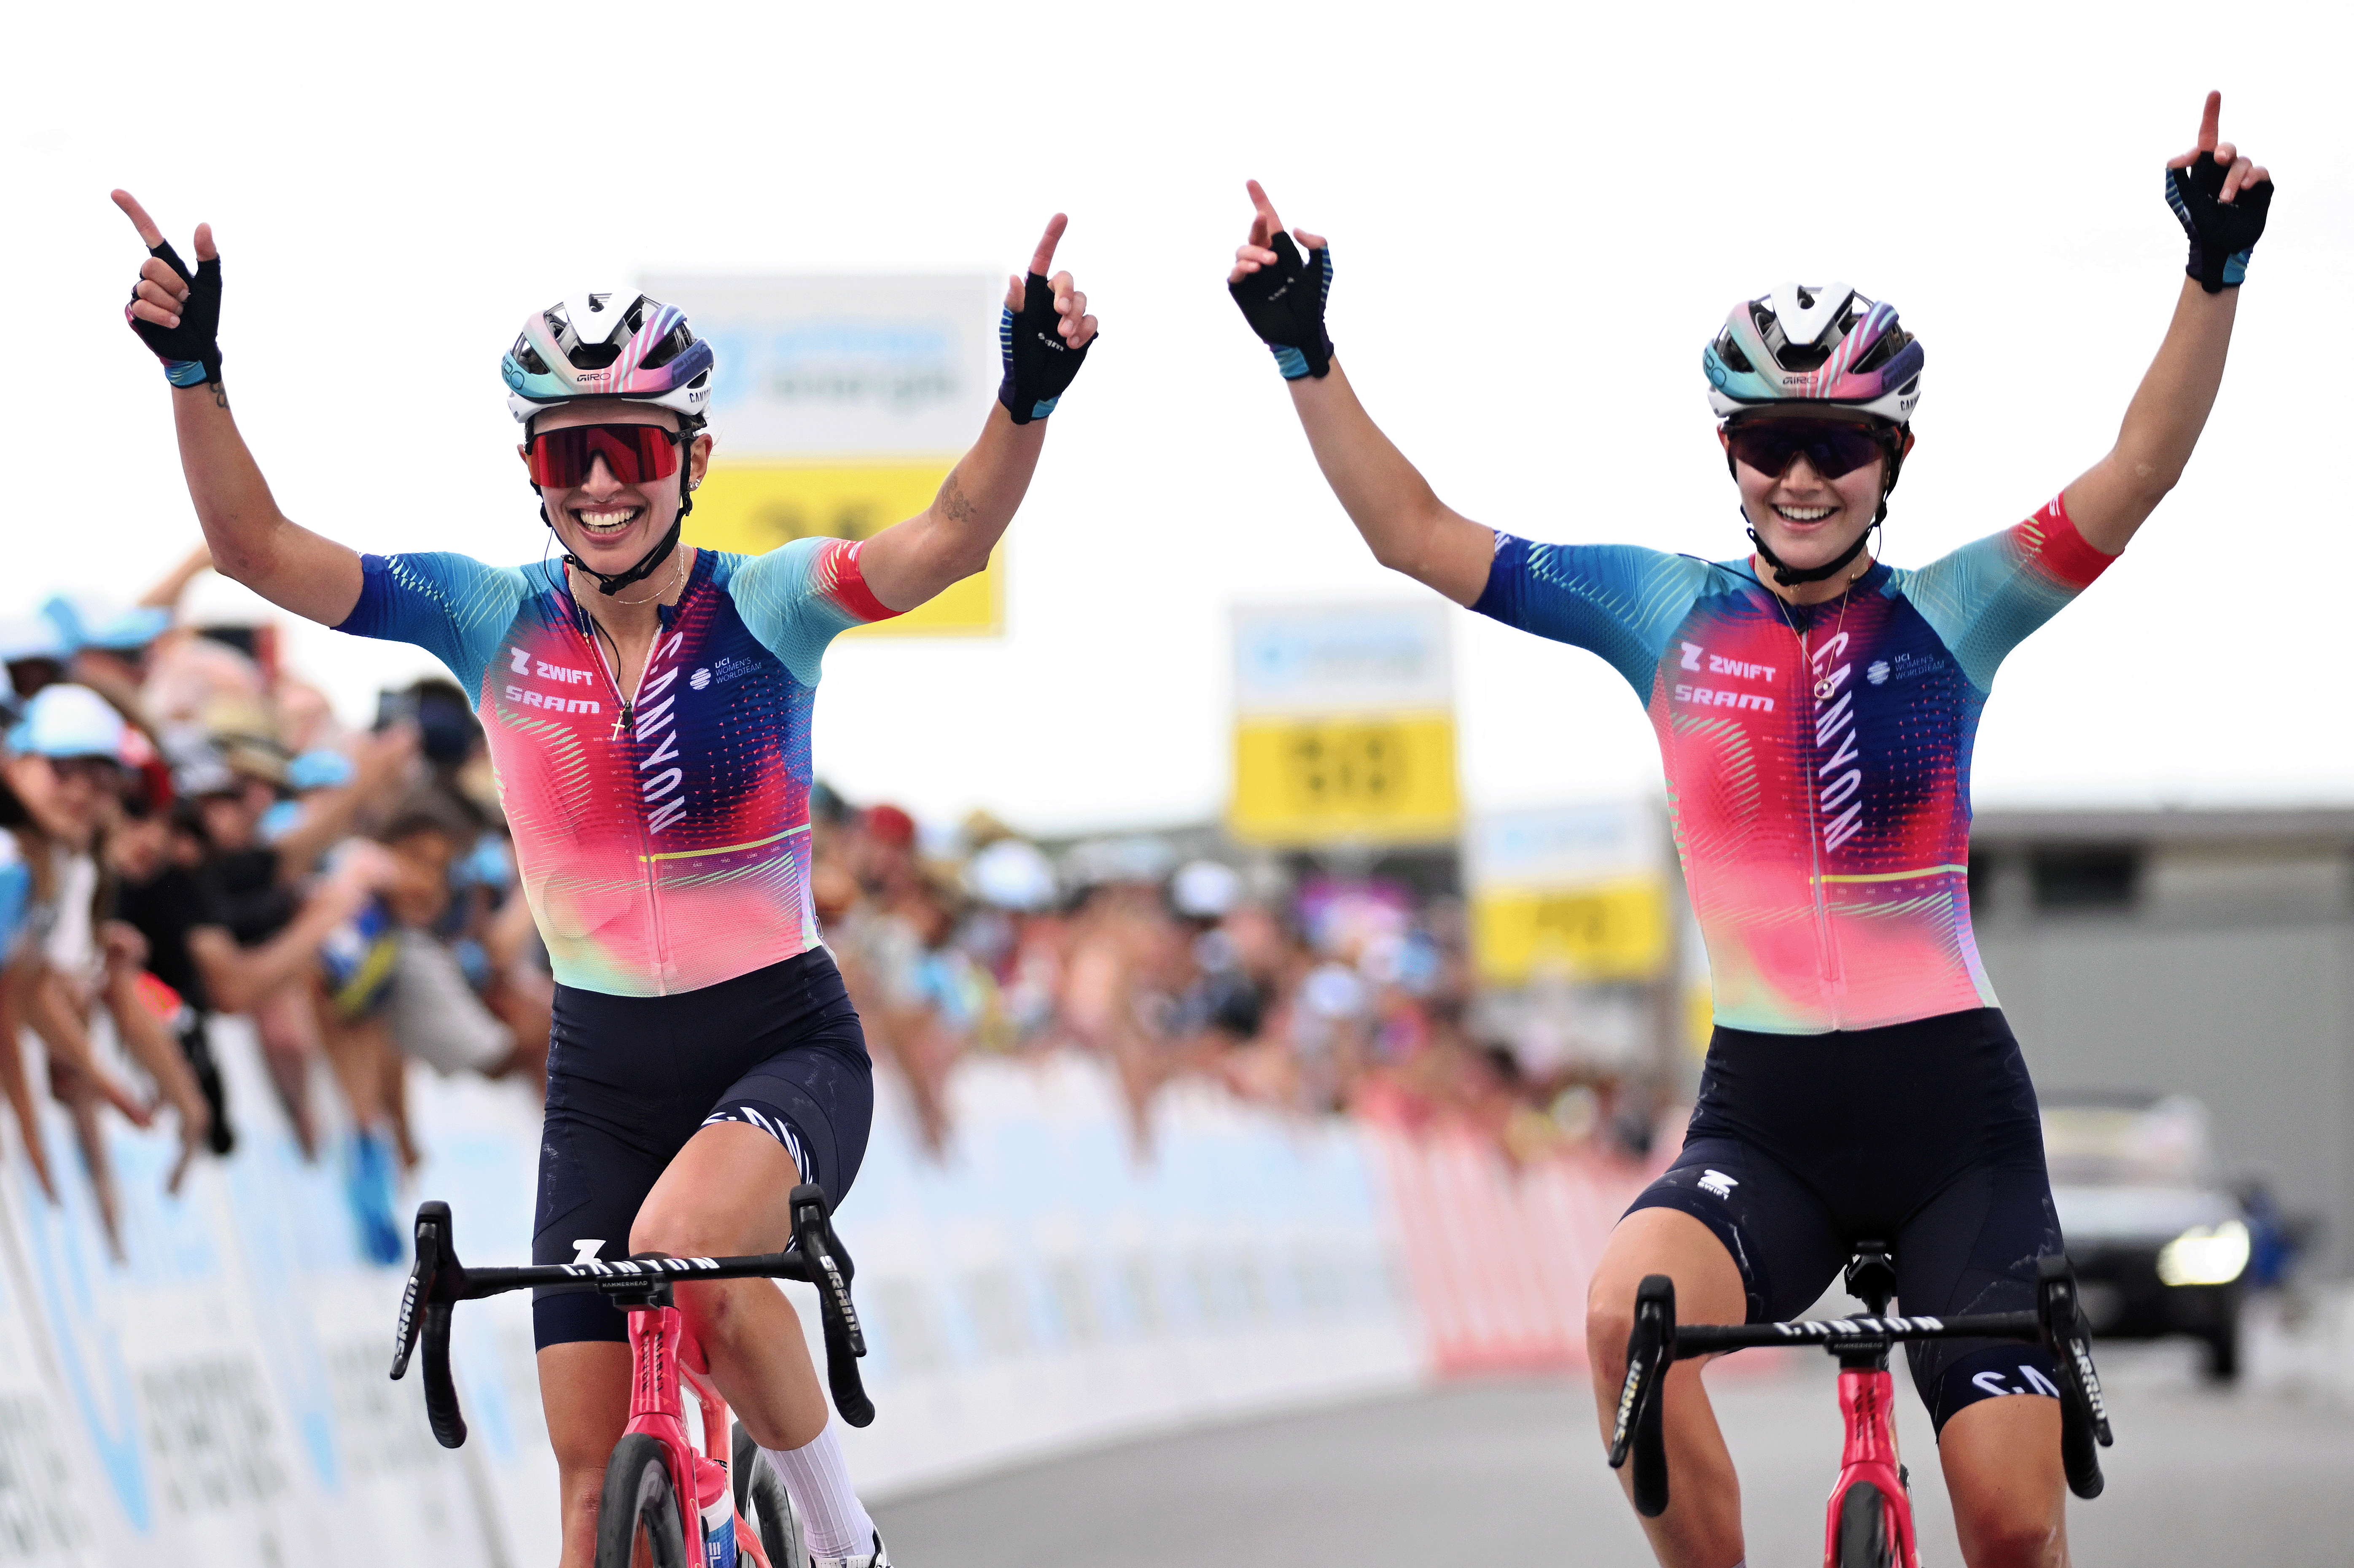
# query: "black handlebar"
[[438, 1282], [1656, 1343]]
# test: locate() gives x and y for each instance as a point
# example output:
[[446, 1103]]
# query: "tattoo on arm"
[[953, 504], [220, 394]]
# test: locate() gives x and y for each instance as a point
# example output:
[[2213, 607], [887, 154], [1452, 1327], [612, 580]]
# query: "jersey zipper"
[[657, 930]]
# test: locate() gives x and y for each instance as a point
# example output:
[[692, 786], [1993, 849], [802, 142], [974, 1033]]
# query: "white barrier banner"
[[220, 1390]]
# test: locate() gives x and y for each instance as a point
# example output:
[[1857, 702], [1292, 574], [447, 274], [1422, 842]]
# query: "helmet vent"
[[594, 356]]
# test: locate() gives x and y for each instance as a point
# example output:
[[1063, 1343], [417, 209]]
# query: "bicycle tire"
[[1862, 1529], [762, 1502], [639, 1492]]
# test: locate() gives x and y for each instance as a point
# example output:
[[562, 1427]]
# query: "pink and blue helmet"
[[1807, 345], [618, 344]]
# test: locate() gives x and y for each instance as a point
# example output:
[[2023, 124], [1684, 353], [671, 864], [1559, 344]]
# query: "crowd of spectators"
[[191, 833], [1289, 986]]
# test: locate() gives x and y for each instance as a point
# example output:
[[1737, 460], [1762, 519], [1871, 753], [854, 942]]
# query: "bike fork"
[[1868, 1407]]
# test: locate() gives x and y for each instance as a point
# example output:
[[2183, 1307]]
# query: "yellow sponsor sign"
[[1305, 780], [754, 507], [1606, 931]]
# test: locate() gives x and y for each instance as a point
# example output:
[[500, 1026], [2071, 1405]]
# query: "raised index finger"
[[2210, 123], [1264, 224], [1043, 256], [149, 235]]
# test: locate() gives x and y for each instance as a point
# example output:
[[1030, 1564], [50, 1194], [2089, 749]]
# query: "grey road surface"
[[1511, 1473]]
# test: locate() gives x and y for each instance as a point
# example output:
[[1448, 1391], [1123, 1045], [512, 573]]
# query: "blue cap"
[[31, 637], [320, 769], [88, 623], [66, 720]]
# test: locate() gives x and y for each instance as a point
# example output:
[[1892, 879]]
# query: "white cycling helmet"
[[618, 343], [1802, 344]]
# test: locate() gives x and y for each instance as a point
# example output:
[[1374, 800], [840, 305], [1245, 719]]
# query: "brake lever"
[[1640, 1427], [831, 1270], [2084, 1416], [430, 1228]]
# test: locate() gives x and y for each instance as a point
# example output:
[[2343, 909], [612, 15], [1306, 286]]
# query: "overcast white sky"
[[1539, 215]]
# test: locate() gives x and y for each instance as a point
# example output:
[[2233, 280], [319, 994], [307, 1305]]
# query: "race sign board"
[[1344, 726], [1580, 892], [838, 406]]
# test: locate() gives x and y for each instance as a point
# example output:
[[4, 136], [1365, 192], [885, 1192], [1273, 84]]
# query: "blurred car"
[[2161, 1245]]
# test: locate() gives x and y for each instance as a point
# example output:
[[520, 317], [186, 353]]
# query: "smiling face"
[[1803, 518], [606, 524]]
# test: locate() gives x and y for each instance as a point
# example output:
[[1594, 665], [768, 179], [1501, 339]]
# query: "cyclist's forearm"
[[2162, 424], [951, 539], [249, 537], [1408, 529]]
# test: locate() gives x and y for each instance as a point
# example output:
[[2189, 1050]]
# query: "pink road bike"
[[667, 1503], [1869, 1521]]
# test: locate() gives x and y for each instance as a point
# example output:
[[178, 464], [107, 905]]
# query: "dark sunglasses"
[[635, 454], [1832, 448]]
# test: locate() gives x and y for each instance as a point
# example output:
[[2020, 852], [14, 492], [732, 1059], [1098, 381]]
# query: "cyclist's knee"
[[2010, 1542], [681, 1232]]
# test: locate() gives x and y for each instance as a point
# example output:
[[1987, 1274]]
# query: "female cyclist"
[[648, 706], [1815, 709]]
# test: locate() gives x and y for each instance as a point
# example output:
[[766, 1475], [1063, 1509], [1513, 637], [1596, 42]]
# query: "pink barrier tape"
[[1498, 1255]]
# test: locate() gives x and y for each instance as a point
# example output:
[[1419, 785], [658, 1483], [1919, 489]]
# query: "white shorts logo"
[[1717, 1184], [585, 1251]]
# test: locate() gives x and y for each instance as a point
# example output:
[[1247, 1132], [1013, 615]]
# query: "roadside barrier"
[[222, 1389]]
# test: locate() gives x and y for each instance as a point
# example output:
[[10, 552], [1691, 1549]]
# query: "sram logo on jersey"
[[1720, 697], [529, 699]]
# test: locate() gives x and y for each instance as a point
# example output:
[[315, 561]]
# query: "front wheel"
[[1862, 1529], [761, 1500], [637, 1523]]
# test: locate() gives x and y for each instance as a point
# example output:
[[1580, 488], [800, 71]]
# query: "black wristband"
[[192, 342], [1040, 364], [2223, 233], [1285, 305]]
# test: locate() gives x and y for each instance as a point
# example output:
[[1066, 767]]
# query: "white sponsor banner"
[[1564, 846], [220, 1392], [838, 367], [1342, 658]]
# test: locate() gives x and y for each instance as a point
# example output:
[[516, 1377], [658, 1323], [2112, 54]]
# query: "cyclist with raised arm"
[[1815, 710], [647, 705]]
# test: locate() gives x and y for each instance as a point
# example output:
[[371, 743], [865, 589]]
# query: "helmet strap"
[[1791, 577]]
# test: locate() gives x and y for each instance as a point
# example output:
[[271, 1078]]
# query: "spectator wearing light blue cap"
[[62, 774]]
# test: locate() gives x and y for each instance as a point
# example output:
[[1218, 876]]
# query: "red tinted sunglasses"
[[635, 454], [1832, 448]]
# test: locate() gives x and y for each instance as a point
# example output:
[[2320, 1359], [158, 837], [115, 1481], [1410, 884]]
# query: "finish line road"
[[1512, 1472]]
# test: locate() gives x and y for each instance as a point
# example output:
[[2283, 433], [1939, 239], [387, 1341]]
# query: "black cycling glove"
[[1285, 305], [1040, 364], [191, 357], [2221, 233]]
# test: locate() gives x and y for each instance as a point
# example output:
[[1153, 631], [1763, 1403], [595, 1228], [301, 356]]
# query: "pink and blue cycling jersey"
[[1820, 795], [671, 851]]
